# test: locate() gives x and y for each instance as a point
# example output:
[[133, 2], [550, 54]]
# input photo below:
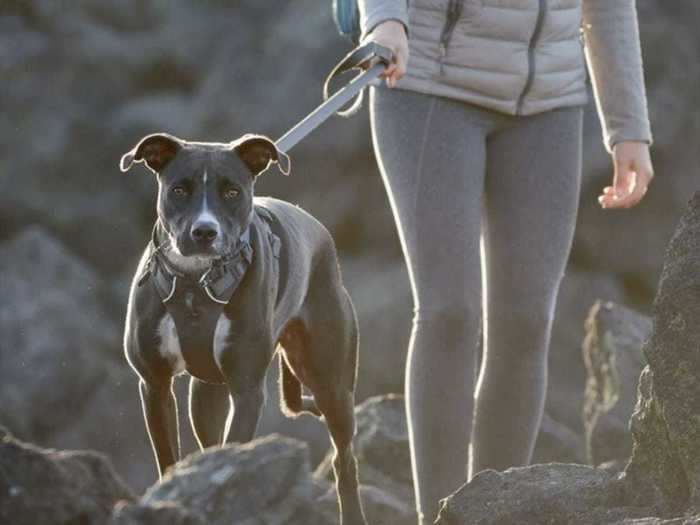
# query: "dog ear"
[[258, 151], [154, 150]]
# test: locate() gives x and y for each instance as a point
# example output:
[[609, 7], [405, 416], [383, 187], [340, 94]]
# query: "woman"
[[484, 127]]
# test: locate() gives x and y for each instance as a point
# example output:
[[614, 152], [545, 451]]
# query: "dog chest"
[[194, 319]]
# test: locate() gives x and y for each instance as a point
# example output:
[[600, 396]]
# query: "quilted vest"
[[518, 57]]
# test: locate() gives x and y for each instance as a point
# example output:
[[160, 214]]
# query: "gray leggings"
[[449, 167]]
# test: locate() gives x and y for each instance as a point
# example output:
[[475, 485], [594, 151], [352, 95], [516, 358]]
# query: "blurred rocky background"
[[82, 81]]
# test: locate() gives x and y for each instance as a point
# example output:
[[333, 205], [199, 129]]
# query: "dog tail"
[[292, 402]]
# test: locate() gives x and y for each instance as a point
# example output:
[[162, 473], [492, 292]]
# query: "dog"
[[227, 281]]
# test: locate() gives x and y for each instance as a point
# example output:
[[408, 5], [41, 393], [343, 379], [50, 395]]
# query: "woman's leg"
[[432, 160], [531, 201]]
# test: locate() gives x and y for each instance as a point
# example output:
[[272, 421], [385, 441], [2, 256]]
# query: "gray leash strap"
[[356, 59]]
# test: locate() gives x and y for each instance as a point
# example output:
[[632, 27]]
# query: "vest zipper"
[[542, 7], [454, 10]]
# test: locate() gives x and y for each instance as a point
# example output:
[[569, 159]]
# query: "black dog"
[[227, 278]]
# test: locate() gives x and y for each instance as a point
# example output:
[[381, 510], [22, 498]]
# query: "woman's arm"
[[614, 61], [615, 64]]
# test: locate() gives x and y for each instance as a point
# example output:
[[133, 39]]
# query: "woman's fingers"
[[389, 71]]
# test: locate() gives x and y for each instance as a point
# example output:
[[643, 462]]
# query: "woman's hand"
[[633, 173], [392, 34]]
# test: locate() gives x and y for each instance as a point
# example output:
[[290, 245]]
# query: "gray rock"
[[63, 379], [49, 487], [613, 356], [665, 465], [537, 495], [265, 481]]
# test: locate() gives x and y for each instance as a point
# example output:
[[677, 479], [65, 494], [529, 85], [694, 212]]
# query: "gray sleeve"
[[374, 12], [614, 58]]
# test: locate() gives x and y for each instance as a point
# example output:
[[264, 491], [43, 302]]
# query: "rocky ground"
[[271, 480], [82, 81]]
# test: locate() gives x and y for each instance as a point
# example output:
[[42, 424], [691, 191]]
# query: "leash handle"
[[358, 58]]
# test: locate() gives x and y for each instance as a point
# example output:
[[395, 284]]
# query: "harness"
[[195, 304]]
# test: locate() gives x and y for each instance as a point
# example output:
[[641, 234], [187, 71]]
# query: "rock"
[[65, 382], [265, 481], [48, 487], [537, 495], [665, 464], [613, 356], [381, 447]]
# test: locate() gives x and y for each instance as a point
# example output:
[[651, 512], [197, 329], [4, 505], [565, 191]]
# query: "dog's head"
[[205, 189]]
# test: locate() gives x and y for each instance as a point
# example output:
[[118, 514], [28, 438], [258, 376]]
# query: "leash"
[[358, 58]]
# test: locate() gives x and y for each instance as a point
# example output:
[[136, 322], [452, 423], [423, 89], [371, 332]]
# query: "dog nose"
[[204, 232]]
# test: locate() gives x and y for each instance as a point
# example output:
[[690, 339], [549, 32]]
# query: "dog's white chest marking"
[[170, 344], [221, 333]]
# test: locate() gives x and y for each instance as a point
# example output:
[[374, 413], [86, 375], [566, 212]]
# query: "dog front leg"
[[244, 364], [160, 412], [247, 408]]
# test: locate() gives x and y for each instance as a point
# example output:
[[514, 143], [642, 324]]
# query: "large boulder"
[[613, 356], [49, 487], [64, 381], [665, 465]]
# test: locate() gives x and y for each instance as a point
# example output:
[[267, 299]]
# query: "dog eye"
[[179, 191], [230, 194]]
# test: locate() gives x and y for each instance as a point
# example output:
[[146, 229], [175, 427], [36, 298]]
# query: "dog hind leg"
[[331, 378], [210, 412]]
